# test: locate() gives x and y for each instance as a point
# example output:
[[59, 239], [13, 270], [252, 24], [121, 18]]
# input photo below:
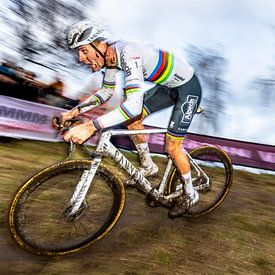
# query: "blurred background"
[[230, 44]]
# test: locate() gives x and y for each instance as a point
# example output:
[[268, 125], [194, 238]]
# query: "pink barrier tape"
[[241, 153]]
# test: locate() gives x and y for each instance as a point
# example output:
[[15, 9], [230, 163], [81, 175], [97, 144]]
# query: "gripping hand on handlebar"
[[69, 115], [72, 130], [68, 124], [80, 133]]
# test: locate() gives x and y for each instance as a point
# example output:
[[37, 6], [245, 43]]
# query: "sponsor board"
[[25, 119]]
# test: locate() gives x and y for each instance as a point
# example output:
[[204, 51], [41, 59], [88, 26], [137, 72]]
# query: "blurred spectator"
[[8, 78], [7, 70], [56, 87], [52, 95], [25, 77], [17, 82], [7, 74]]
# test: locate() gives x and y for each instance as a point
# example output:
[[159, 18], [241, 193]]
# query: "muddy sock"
[[144, 154], [188, 186]]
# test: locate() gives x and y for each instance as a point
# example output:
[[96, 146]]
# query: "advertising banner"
[[25, 119]]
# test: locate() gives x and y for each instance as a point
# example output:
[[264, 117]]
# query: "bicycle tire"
[[36, 222], [218, 167]]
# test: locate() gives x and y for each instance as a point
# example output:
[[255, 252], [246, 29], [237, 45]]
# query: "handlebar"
[[57, 123], [61, 128]]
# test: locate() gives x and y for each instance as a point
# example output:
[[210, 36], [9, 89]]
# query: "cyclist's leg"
[[174, 148], [188, 100], [155, 99], [148, 167]]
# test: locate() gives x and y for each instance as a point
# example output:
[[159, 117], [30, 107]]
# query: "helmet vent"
[[85, 34], [72, 41]]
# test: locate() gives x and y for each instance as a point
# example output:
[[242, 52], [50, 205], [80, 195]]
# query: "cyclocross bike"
[[75, 203]]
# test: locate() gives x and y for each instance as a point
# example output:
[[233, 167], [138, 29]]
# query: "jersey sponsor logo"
[[135, 79], [182, 129], [125, 66], [188, 108], [178, 77], [172, 124]]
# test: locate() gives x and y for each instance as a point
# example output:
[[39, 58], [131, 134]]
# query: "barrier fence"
[[25, 119]]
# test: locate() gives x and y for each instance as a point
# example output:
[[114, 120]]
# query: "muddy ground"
[[238, 238]]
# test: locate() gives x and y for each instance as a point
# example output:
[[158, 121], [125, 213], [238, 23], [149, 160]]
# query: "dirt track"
[[238, 238]]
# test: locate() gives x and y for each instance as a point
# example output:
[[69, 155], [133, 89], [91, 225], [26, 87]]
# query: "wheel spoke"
[[41, 226], [218, 168]]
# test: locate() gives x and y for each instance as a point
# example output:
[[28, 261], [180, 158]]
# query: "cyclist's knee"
[[136, 125], [173, 147]]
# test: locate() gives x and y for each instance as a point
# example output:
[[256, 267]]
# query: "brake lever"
[[62, 128], [71, 149]]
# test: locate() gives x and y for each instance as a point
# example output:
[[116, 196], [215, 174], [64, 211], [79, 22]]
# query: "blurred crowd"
[[20, 83]]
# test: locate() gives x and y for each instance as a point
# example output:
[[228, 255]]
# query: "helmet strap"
[[100, 53]]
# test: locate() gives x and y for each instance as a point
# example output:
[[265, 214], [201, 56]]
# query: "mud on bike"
[[75, 203]]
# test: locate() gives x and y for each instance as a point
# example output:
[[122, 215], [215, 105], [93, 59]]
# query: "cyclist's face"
[[89, 56]]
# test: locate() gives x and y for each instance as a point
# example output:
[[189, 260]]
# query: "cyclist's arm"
[[102, 95], [131, 62]]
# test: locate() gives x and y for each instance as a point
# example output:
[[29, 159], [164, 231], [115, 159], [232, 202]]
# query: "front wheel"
[[216, 164], [37, 215]]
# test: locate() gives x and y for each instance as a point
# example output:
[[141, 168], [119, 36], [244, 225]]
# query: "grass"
[[238, 238], [163, 258], [263, 263]]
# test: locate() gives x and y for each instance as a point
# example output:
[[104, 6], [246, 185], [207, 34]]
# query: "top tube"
[[119, 132]]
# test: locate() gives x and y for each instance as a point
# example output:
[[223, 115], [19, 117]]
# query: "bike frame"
[[105, 147]]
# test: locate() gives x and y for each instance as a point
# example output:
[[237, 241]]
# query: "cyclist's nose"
[[81, 57]]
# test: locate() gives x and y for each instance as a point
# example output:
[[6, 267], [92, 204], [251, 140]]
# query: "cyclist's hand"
[[69, 115], [56, 123], [80, 133]]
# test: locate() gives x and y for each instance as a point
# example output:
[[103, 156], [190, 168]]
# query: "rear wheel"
[[217, 166], [37, 216]]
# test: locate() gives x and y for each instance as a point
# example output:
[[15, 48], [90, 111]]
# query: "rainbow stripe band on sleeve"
[[163, 69], [109, 85], [99, 98], [125, 112], [145, 111], [132, 88]]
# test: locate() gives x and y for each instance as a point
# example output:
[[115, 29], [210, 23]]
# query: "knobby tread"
[[44, 175], [227, 184]]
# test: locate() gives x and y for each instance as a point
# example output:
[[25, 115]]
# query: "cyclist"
[[176, 85]]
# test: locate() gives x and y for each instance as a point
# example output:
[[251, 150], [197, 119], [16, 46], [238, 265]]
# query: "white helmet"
[[85, 32]]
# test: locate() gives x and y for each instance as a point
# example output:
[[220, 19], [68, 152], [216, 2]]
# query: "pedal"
[[151, 200], [167, 203]]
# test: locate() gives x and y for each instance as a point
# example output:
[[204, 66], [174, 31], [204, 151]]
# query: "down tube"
[[128, 166]]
